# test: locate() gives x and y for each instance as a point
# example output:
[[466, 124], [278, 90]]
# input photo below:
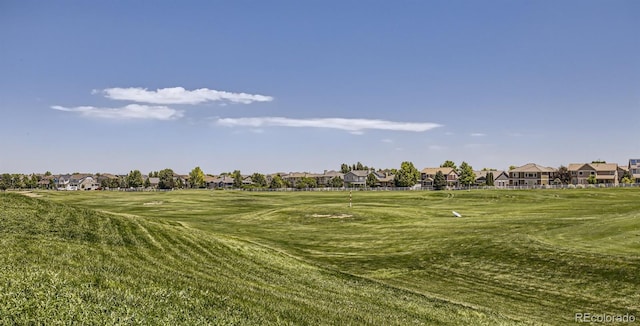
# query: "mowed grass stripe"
[[536, 255], [63, 271]]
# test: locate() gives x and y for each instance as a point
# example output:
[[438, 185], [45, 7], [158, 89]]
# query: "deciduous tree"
[[563, 174], [259, 180], [407, 176], [237, 179], [276, 182], [166, 179], [134, 179], [196, 178], [466, 176], [372, 180]]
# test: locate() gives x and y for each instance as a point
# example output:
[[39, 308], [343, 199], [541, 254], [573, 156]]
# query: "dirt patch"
[[152, 203], [29, 194], [332, 215]]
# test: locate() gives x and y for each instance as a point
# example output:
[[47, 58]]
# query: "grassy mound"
[[63, 264]]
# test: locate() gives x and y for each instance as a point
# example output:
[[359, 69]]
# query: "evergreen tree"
[[490, 182], [449, 164], [439, 181]]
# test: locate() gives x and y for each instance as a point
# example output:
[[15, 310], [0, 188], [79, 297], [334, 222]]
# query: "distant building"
[[531, 175], [634, 169]]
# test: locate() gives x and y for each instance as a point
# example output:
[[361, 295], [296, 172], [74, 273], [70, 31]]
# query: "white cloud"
[[477, 134], [131, 111], [355, 126], [387, 140], [179, 95]]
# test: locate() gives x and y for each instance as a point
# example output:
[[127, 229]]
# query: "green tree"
[[147, 183], [276, 182], [512, 167], [259, 180], [104, 183], [47, 174], [52, 184], [466, 176], [237, 179], [16, 181], [336, 182], [449, 164], [5, 181], [306, 182], [407, 176], [134, 179], [439, 181], [166, 179], [563, 174], [372, 180], [196, 178], [180, 183], [359, 166], [592, 180], [490, 182], [344, 168]]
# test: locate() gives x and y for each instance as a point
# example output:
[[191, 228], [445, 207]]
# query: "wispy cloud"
[[131, 111], [478, 134], [355, 126], [179, 95], [387, 140]]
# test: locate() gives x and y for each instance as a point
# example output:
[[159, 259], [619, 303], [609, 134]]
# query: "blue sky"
[[278, 86]]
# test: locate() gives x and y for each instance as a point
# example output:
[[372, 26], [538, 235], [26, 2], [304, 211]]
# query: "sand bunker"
[[332, 215], [29, 194], [152, 203]]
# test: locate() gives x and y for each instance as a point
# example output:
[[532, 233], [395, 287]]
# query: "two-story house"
[[634, 169], [531, 174], [606, 173], [427, 176], [356, 178]]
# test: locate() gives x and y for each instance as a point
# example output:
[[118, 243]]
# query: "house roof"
[[532, 167], [433, 171], [360, 173], [593, 166], [483, 174]]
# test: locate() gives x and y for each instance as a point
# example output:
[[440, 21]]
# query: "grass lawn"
[[535, 256]]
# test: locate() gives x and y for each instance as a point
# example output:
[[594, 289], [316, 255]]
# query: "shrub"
[[580, 186], [571, 186]]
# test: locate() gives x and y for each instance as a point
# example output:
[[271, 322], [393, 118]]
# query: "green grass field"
[[224, 257]]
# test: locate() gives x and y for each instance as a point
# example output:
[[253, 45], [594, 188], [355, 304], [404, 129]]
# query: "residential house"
[[294, 178], [634, 169], [500, 178], [221, 182], [384, 179], [356, 178], [604, 173], [324, 179], [531, 175], [154, 182], [88, 183], [427, 175]]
